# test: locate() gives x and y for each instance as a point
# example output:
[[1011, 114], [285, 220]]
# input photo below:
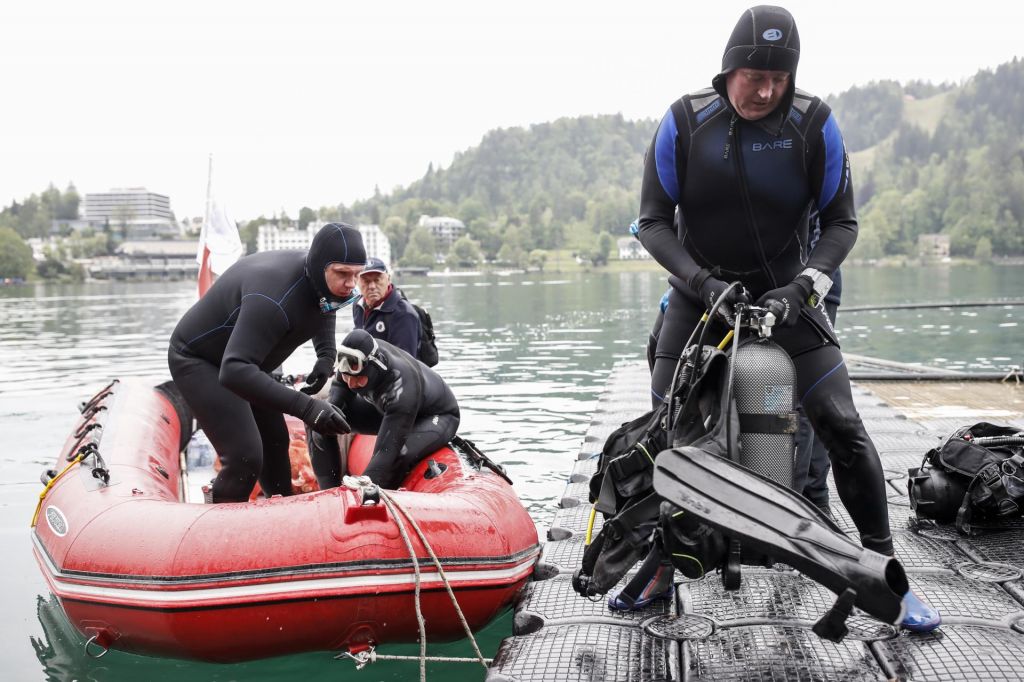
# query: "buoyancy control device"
[[975, 479], [739, 411], [739, 404]]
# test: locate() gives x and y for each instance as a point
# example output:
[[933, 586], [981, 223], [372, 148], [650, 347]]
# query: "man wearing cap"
[[224, 348], [383, 312], [747, 162]]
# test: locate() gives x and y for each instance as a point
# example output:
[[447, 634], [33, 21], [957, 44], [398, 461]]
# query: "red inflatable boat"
[[138, 568]]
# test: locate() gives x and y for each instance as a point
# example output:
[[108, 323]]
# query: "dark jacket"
[[394, 321]]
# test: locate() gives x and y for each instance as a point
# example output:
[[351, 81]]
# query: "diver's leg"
[[653, 581], [823, 387], [680, 318], [228, 423], [428, 434], [276, 475], [804, 443], [816, 486]]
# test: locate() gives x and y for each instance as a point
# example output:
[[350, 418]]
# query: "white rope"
[[369, 656], [444, 578], [416, 599]]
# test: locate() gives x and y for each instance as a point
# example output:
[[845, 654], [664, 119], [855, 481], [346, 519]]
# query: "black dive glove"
[[318, 376], [786, 302], [325, 418], [710, 289]]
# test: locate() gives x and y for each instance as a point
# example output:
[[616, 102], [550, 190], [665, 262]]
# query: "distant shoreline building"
[[631, 249], [283, 237], [135, 212], [446, 231]]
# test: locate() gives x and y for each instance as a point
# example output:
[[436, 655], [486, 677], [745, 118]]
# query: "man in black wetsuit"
[[385, 391], [252, 318], [746, 161]]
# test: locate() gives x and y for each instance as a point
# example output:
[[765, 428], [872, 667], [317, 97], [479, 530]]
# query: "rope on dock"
[[916, 306]]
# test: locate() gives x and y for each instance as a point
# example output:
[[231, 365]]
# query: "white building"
[[136, 212], [630, 248], [446, 230], [274, 238]]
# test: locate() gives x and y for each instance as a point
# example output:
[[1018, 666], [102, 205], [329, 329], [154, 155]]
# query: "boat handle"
[[103, 649]]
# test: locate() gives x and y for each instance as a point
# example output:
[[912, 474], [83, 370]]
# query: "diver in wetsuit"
[[385, 391], [224, 348], [745, 162]]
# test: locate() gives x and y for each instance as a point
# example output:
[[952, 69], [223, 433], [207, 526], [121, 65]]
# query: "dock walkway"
[[763, 631]]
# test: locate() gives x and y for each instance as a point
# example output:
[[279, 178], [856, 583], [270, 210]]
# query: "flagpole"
[[205, 276], [209, 191]]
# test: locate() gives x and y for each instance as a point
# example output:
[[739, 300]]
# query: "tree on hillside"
[[15, 255], [306, 216], [421, 249], [397, 232], [464, 253]]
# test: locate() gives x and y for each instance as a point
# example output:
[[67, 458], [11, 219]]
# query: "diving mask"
[[352, 361]]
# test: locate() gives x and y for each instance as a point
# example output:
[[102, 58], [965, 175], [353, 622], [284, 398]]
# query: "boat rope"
[[367, 656], [924, 306], [365, 485], [49, 484]]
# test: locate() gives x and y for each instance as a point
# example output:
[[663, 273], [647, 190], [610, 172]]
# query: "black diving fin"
[[772, 520]]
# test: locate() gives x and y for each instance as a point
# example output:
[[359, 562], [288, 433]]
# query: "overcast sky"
[[315, 103]]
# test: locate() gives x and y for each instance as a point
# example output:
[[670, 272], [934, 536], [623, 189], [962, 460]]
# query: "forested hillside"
[[926, 158]]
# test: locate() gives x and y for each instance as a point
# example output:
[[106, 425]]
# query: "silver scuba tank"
[[764, 388]]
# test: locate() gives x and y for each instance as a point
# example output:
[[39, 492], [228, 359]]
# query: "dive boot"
[[658, 587], [919, 616], [766, 518]]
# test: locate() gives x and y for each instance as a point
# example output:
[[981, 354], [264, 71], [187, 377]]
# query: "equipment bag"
[[427, 351], [976, 475]]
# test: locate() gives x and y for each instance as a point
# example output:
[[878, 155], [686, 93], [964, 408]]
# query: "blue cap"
[[374, 265]]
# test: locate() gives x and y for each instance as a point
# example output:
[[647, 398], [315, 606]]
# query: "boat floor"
[[763, 631]]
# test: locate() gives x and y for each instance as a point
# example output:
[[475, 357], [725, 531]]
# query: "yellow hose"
[[42, 495], [590, 526]]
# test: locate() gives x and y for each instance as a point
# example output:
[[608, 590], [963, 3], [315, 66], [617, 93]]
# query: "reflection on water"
[[527, 356]]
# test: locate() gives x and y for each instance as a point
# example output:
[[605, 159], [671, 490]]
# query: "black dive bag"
[[975, 479]]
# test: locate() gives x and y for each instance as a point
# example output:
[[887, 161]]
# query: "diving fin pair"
[[769, 519]]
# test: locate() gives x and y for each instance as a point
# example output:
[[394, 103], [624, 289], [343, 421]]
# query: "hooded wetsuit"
[[223, 349], [408, 406], [746, 192]]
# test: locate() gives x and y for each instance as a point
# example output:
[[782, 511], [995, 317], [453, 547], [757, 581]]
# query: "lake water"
[[527, 356]]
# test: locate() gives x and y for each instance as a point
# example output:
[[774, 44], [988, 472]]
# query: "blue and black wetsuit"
[[408, 406], [746, 192], [224, 348]]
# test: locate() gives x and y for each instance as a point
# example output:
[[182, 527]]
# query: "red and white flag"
[[219, 245]]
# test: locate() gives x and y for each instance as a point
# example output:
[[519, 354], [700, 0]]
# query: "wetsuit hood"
[[360, 344], [334, 243], [766, 38]]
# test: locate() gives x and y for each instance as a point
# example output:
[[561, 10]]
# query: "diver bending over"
[[746, 162], [385, 391]]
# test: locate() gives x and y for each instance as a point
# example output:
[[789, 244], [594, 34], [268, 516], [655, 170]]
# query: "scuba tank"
[[764, 388]]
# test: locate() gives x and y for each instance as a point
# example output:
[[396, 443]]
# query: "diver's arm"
[[260, 325], [832, 189], [400, 402], [659, 195], [323, 340]]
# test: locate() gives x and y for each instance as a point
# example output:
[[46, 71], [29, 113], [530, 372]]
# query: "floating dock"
[[763, 631]]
